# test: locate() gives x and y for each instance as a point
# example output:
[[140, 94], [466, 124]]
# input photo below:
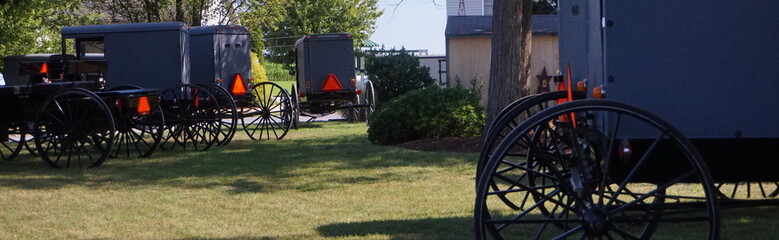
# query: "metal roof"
[[122, 28], [219, 29], [482, 25]]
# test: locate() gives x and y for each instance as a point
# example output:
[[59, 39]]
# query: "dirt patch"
[[447, 144]]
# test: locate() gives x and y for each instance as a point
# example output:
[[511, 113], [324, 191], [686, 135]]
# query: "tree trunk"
[[510, 61], [180, 11]]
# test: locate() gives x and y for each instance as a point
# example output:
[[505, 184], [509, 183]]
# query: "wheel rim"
[[139, 136], [370, 102], [11, 147], [591, 192], [270, 115], [74, 128], [192, 118], [228, 111], [507, 120]]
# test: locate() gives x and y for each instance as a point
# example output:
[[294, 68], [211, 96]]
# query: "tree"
[[511, 41], [303, 17], [191, 12], [32, 26]]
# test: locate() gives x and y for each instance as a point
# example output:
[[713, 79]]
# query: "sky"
[[415, 25]]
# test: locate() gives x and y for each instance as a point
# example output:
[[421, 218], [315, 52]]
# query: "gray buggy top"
[[149, 55]]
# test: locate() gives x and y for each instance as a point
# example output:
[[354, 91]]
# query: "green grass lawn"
[[325, 181]]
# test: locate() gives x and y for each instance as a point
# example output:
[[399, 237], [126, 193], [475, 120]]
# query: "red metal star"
[[543, 82]]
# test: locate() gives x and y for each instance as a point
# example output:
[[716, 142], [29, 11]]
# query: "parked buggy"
[[591, 163], [156, 56], [221, 62], [62, 107], [326, 81]]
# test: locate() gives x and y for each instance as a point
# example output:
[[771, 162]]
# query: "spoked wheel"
[[192, 118], [74, 128], [596, 169], [227, 109], [514, 114], [295, 107], [14, 144], [748, 190], [508, 119], [139, 135], [369, 101], [270, 115]]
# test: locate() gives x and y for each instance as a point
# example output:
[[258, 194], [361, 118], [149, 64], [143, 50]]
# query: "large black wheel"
[[139, 135], [270, 115], [508, 119], [294, 95], [596, 169], [14, 143], [369, 100], [227, 109], [514, 114], [192, 118], [74, 128]]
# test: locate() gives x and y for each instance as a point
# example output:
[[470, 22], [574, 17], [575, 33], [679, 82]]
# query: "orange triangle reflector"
[[143, 106], [44, 68], [239, 88], [332, 84]]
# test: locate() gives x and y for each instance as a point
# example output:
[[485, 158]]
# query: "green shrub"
[[277, 72], [428, 113], [395, 74], [258, 71]]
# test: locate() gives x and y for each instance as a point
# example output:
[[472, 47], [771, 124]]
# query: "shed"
[[469, 45], [220, 54], [150, 55]]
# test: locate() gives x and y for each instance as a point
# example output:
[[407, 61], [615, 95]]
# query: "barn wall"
[[469, 57]]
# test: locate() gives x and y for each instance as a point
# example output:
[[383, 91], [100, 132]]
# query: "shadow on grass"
[[247, 166], [428, 228]]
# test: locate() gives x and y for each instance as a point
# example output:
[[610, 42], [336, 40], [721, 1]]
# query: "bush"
[[428, 113], [396, 74], [277, 72], [258, 71]]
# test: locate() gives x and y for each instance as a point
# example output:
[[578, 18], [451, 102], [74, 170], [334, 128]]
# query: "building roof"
[[482, 25]]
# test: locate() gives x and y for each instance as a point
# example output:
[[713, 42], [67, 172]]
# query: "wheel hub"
[[595, 221]]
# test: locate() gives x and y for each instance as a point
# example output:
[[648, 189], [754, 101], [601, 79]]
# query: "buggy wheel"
[[74, 128], [12, 145], [139, 136], [369, 101], [602, 170], [270, 115], [192, 118], [748, 190], [227, 109], [295, 107], [508, 119]]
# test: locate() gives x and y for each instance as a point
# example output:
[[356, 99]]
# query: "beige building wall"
[[469, 57]]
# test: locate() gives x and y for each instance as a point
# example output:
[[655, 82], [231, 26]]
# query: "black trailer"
[[221, 61], [672, 118], [326, 78]]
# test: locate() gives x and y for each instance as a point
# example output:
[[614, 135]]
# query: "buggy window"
[[90, 45]]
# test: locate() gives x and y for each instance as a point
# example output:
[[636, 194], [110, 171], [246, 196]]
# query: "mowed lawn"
[[325, 181]]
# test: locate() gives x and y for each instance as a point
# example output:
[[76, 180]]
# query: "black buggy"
[[326, 79], [58, 102], [591, 163]]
